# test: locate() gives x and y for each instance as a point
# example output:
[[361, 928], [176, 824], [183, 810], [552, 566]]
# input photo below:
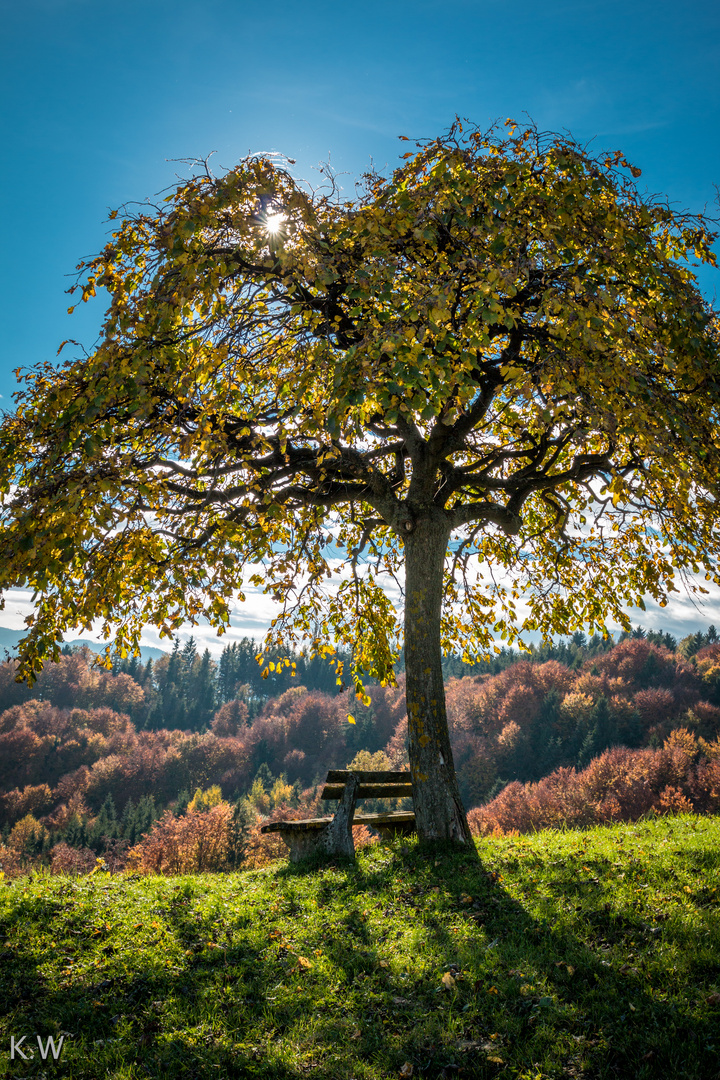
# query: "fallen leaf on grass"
[[713, 999], [406, 1070], [304, 963], [448, 981]]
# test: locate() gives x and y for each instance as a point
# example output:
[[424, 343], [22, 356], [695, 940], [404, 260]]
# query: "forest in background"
[[97, 762]]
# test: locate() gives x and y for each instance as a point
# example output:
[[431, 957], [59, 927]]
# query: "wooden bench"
[[334, 834]]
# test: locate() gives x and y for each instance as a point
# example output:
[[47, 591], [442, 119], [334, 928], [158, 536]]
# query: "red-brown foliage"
[[33, 799], [636, 662], [68, 860], [619, 785], [76, 682], [388, 709], [484, 706], [656, 705], [12, 863], [397, 747], [230, 719], [189, 844], [298, 719]]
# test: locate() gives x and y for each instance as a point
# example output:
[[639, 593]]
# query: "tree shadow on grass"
[[554, 993], [527, 991]]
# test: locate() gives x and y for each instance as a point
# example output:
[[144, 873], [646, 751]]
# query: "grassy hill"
[[567, 954]]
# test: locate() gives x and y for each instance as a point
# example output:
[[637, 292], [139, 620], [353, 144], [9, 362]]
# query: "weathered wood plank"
[[370, 791], [339, 776], [337, 837], [392, 817], [306, 825]]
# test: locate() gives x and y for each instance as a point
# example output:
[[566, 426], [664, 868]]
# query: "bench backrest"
[[373, 785]]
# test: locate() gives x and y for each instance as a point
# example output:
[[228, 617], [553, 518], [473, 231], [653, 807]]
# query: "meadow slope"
[[592, 953]]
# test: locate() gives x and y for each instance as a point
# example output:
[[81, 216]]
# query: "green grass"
[[571, 954]]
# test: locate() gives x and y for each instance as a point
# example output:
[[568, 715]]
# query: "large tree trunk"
[[439, 812]]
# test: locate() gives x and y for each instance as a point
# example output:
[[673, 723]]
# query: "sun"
[[274, 222]]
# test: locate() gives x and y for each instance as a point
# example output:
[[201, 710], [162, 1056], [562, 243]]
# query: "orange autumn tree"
[[492, 372]]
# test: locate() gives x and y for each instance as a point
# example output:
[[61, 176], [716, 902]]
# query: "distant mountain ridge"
[[9, 641]]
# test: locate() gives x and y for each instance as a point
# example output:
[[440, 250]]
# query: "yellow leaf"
[[448, 981], [351, 719]]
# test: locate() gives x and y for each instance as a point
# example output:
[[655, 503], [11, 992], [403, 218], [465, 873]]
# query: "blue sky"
[[98, 98]]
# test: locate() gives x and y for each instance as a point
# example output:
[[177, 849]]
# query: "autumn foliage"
[[612, 736], [197, 841], [620, 785]]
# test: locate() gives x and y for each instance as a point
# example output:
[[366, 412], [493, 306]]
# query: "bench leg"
[[337, 837], [303, 844]]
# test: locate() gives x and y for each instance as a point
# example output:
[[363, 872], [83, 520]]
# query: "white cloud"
[[252, 618]]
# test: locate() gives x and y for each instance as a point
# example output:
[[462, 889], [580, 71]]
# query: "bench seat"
[[392, 821]]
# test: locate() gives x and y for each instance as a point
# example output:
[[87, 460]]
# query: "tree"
[[493, 367], [201, 694]]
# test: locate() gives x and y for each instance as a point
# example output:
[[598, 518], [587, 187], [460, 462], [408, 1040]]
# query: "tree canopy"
[[493, 366]]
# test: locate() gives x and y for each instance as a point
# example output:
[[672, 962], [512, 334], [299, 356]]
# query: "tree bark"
[[439, 812]]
